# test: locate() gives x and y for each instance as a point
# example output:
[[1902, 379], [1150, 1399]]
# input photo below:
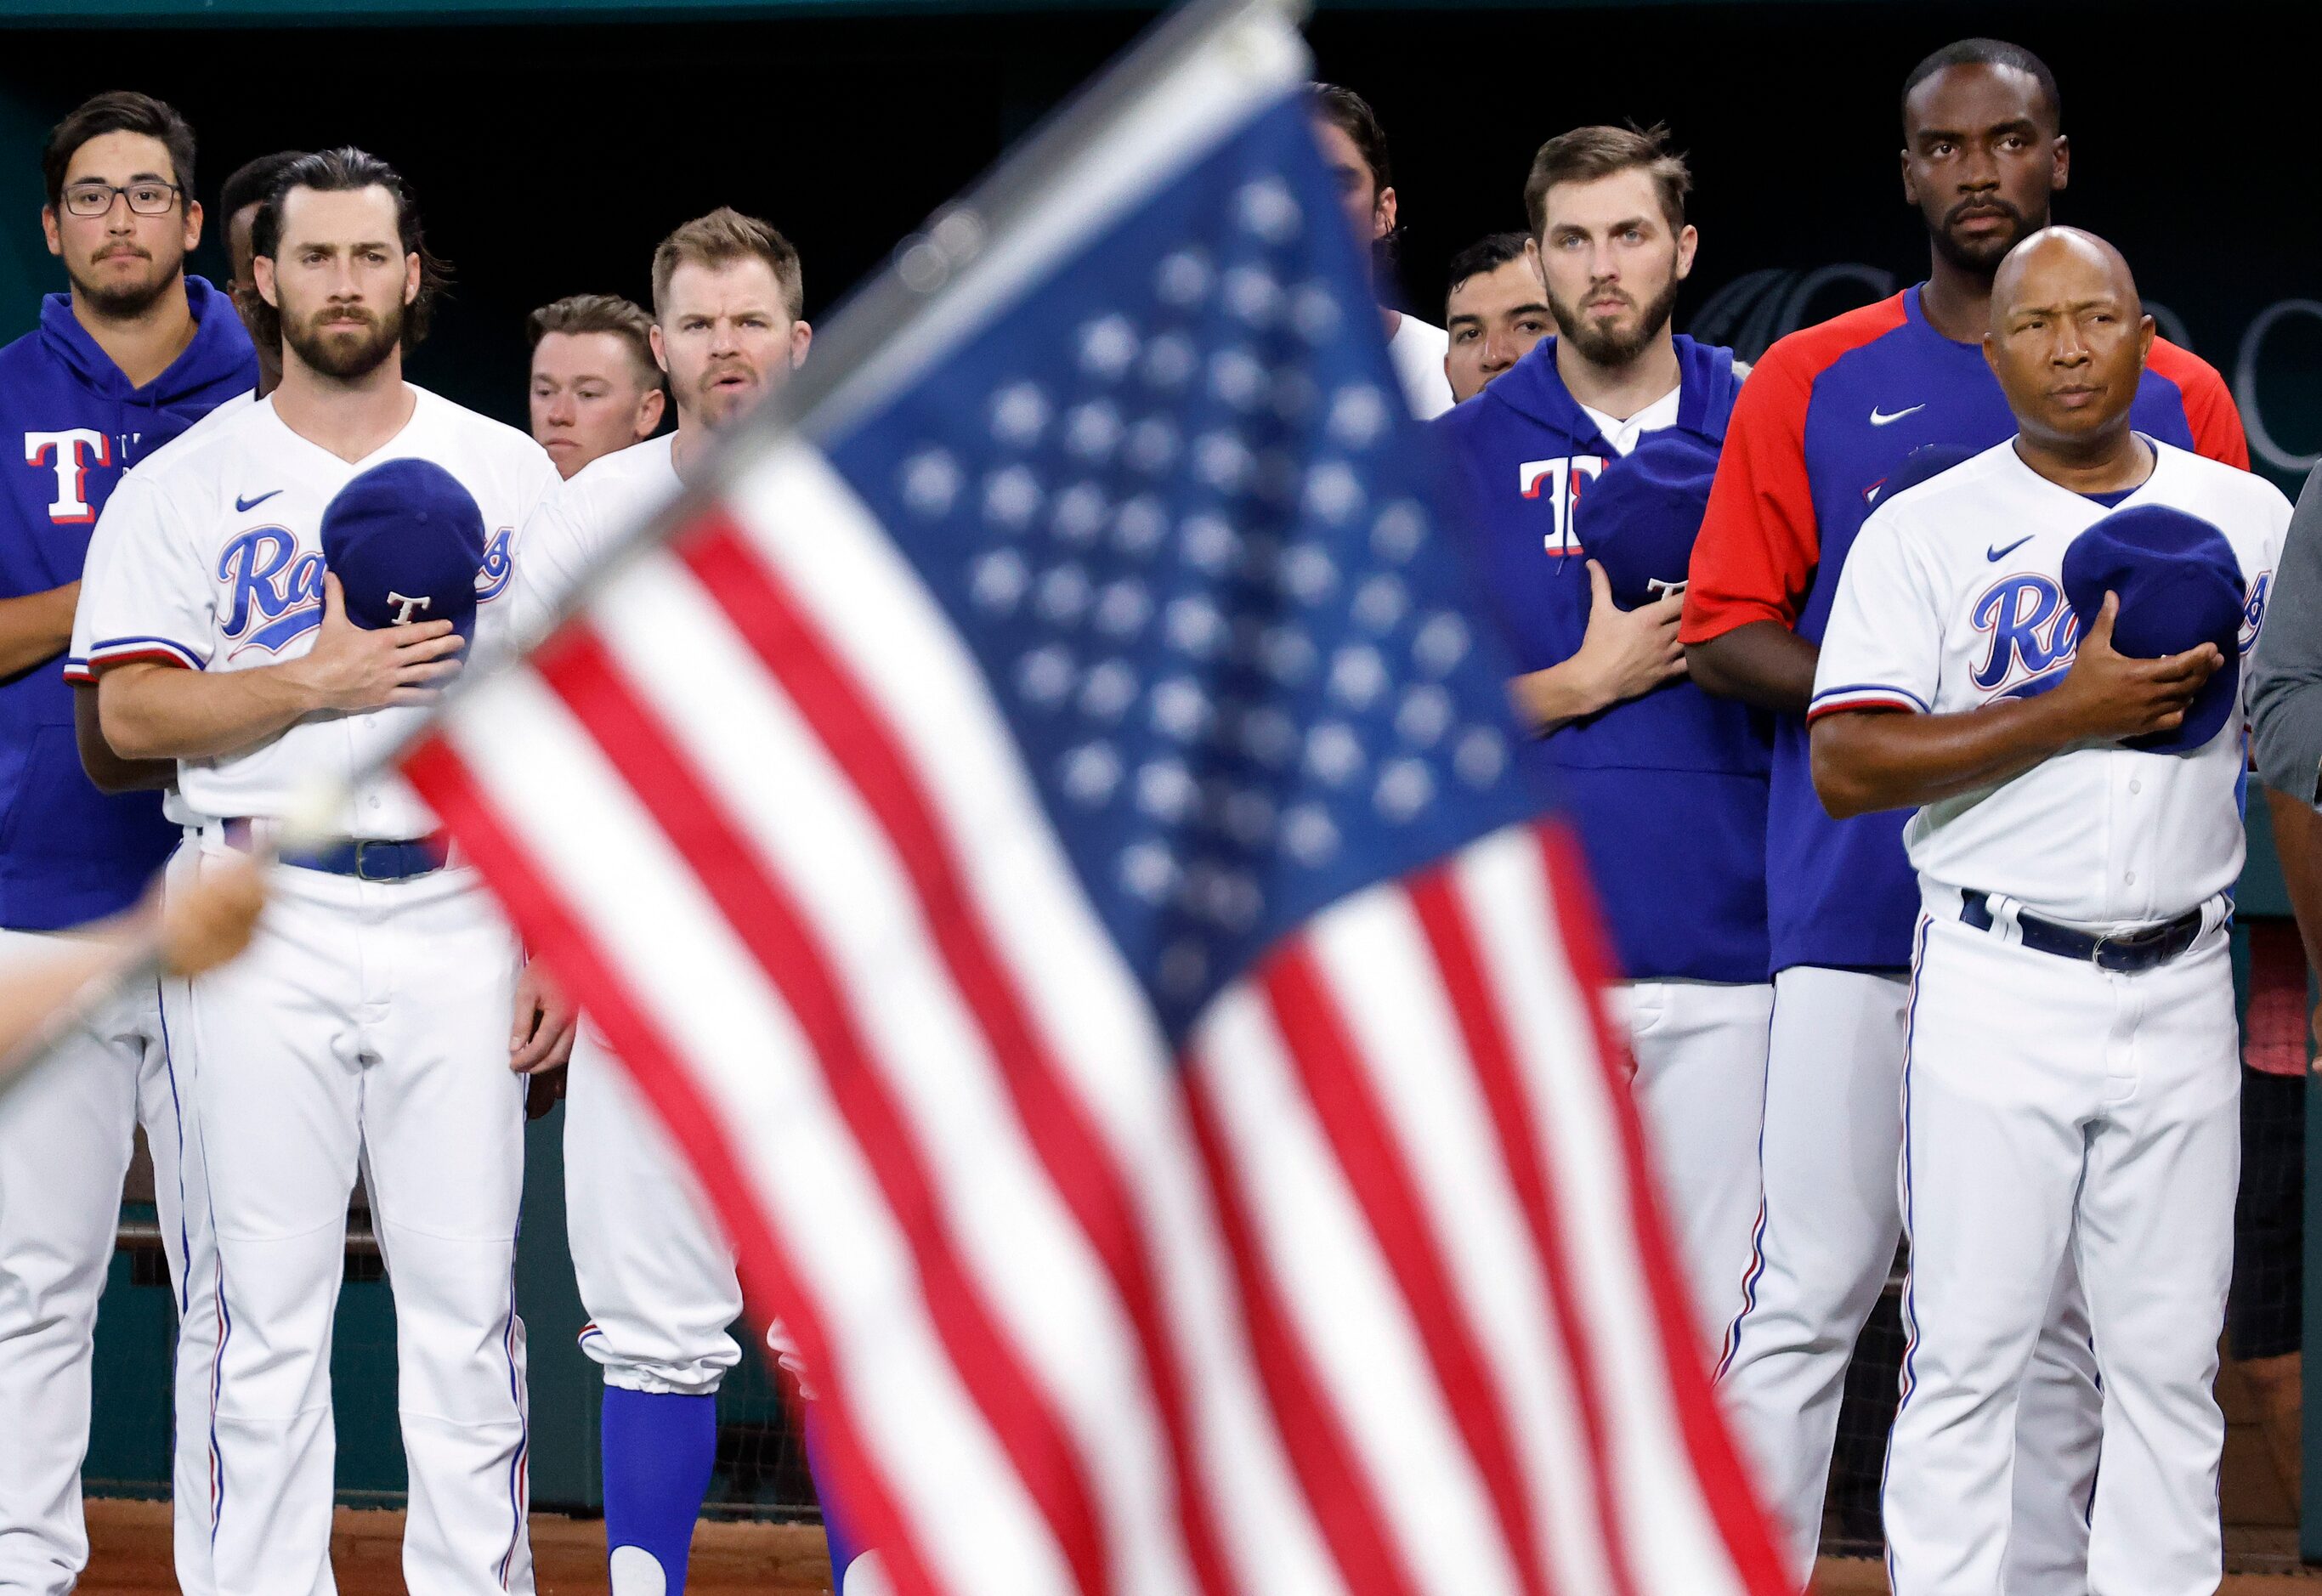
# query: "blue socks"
[[844, 1547], [660, 1449]]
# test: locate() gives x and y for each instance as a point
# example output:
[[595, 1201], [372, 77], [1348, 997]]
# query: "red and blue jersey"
[[1824, 417], [1668, 791], [73, 423]]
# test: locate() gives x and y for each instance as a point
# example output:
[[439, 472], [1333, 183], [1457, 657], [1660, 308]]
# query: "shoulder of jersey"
[[2229, 484], [204, 446], [1971, 478], [2180, 365], [493, 434], [1802, 355]]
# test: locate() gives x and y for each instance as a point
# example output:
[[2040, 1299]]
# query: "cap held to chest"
[[2180, 586], [1639, 518], [406, 541]]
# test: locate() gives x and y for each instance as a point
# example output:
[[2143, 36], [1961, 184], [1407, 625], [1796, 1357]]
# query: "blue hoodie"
[[1669, 790], [68, 852]]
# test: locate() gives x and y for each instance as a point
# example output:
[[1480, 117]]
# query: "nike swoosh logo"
[[1999, 554], [246, 505], [1881, 418]]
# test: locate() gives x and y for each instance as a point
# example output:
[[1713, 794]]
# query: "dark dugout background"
[[552, 147]]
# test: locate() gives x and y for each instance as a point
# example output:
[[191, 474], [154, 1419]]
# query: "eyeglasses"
[[145, 199]]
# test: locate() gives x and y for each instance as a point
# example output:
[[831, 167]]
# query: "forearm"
[[36, 627], [162, 712], [2298, 843], [1764, 664], [107, 770], [1558, 695], [1865, 761]]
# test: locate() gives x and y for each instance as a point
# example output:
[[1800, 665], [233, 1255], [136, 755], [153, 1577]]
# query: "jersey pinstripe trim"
[[124, 651], [1863, 696]]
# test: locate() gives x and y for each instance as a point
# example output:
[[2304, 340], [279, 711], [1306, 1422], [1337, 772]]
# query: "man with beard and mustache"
[[656, 1275], [368, 1026], [1828, 415], [1667, 786], [133, 354]]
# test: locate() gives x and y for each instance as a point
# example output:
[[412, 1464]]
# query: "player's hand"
[[208, 919], [2110, 696], [1626, 653], [354, 668], [540, 1039]]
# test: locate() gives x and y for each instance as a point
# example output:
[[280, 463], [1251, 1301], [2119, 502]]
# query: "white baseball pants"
[[1828, 1222], [1700, 1051], [367, 1028], [65, 1140], [656, 1275], [2056, 1111]]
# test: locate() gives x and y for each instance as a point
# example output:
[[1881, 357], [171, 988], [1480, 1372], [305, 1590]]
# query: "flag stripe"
[[1341, 1494], [761, 912], [768, 619], [548, 924], [1741, 1524], [1375, 1169], [1459, 965]]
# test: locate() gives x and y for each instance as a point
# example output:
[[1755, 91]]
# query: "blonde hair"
[[721, 238]]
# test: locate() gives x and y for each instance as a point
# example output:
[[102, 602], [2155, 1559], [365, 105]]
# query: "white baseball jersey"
[[577, 524], [1416, 352], [214, 562], [1953, 598]]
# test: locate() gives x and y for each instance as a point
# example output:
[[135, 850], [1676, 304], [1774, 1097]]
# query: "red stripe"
[[1075, 1157], [561, 940], [1725, 1485], [1372, 1159], [781, 936], [1341, 1496], [1459, 962]]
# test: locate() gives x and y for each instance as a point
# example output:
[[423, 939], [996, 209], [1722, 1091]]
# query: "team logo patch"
[[2254, 611], [1558, 483], [274, 592], [499, 565], [2030, 629]]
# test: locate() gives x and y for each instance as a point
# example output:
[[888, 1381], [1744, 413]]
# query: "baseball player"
[[656, 1275], [1668, 784], [595, 388], [1827, 415], [366, 1028], [1493, 313], [1354, 147], [2071, 1079], [126, 360]]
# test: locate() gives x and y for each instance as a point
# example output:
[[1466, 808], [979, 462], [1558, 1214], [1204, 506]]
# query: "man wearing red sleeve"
[[1826, 418]]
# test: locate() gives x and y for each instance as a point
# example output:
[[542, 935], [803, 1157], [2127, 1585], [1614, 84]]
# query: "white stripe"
[[1381, 970], [895, 643], [1053, 1300], [1313, 1240], [1673, 1544], [552, 787]]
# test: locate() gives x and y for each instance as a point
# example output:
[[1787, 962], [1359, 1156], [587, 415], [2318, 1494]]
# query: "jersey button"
[[2130, 877], [2136, 787]]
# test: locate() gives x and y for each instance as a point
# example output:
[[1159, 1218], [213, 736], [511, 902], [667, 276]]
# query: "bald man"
[[2072, 1081]]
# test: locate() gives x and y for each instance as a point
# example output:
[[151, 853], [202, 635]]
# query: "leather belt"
[[363, 859], [2122, 951]]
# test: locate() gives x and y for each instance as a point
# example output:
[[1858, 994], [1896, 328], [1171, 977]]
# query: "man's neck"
[[1624, 389], [2115, 462], [1957, 300], [353, 418], [689, 447], [145, 343]]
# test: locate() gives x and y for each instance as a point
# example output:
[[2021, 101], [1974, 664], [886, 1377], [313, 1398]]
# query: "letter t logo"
[[64, 450]]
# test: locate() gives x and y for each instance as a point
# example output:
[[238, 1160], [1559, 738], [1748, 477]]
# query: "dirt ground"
[[129, 1555]]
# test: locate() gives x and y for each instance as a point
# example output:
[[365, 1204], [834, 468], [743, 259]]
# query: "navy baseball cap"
[[1928, 460], [2180, 586], [406, 541], [1639, 518]]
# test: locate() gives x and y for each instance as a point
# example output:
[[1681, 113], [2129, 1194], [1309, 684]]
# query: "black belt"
[[2122, 951], [396, 860]]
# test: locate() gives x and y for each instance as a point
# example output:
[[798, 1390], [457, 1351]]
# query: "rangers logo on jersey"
[[274, 592], [1559, 482]]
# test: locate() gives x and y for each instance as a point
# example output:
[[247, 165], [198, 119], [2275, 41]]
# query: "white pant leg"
[[1700, 1088], [65, 1133], [1999, 1097], [656, 1275], [1826, 1229], [442, 1133], [2156, 1249], [277, 1101]]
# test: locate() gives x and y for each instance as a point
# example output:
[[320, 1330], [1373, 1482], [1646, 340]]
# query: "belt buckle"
[[2117, 947], [363, 858]]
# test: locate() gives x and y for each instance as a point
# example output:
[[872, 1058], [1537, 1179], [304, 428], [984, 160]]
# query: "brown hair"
[[1586, 154], [599, 313], [119, 111], [721, 238], [347, 170]]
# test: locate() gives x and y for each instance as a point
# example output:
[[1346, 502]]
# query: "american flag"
[[1046, 837]]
